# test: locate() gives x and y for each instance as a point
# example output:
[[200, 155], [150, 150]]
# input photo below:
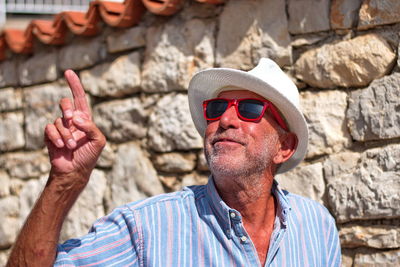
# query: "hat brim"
[[209, 83]]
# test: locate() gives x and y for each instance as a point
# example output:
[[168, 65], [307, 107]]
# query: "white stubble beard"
[[247, 168]]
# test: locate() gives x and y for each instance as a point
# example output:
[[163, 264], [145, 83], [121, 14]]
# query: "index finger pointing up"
[[77, 91]]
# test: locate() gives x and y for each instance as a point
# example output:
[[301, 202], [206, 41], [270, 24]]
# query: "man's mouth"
[[226, 141]]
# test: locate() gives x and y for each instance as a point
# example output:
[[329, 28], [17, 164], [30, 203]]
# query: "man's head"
[[245, 139], [267, 82]]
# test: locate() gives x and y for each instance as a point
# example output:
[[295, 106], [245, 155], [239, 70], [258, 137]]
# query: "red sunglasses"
[[247, 109]]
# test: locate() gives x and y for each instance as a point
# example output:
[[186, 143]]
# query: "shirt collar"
[[222, 210], [283, 205], [219, 207]]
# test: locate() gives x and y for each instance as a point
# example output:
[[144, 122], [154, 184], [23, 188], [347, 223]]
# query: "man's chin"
[[227, 164]]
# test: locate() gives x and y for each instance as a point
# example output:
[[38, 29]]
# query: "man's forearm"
[[37, 241]]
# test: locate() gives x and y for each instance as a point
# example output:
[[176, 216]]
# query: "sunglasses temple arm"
[[278, 117]]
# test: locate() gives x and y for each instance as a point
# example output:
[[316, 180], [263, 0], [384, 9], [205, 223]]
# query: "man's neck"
[[253, 200]]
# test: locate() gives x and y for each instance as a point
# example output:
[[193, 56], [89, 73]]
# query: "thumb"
[[90, 129]]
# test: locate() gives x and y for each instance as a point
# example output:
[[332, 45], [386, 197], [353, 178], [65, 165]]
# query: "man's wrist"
[[71, 181]]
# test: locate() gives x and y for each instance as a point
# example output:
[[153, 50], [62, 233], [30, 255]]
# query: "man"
[[253, 129]]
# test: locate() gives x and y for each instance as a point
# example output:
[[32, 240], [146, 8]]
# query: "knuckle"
[[64, 103], [47, 128]]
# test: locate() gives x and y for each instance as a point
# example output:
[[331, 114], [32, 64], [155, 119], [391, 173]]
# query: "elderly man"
[[252, 129]]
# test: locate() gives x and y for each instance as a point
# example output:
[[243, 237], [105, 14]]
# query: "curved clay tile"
[[124, 14], [2, 48], [82, 23], [53, 32], [50, 32], [163, 7], [18, 41], [215, 2]]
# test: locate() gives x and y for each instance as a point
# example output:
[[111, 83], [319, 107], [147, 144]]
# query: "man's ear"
[[288, 146]]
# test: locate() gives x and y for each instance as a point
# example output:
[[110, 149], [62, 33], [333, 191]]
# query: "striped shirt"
[[194, 227]]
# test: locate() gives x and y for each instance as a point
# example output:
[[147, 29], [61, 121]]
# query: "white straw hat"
[[267, 80]]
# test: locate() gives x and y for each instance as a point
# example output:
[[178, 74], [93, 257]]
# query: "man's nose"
[[229, 119]]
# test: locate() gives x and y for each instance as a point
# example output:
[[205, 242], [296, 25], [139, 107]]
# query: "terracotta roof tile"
[[163, 7], [124, 14], [53, 32]]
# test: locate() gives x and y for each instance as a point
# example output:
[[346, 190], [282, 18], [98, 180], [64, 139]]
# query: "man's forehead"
[[236, 92]]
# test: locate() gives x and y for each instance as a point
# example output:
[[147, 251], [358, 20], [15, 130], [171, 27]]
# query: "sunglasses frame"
[[235, 102]]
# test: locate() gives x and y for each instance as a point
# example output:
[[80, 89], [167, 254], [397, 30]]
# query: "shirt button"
[[243, 238], [233, 215]]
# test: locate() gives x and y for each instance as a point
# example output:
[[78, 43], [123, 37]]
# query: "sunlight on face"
[[236, 148]]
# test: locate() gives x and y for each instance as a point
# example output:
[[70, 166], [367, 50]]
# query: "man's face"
[[234, 147]]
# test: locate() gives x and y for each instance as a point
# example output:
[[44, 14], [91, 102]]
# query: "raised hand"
[[74, 142]]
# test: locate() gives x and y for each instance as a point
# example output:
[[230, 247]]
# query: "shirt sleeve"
[[334, 255], [113, 240]]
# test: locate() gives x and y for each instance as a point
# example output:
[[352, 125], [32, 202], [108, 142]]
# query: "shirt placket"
[[242, 238], [280, 226]]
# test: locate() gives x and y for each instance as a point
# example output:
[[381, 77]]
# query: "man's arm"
[[74, 144]]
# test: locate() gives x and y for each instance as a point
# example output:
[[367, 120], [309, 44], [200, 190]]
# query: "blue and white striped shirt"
[[194, 227]]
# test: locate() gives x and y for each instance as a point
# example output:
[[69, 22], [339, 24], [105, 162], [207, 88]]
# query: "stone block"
[[25, 165], [107, 157], [341, 163], [123, 120], [347, 258], [9, 226], [325, 113], [374, 236], [126, 39], [193, 179], [364, 187], [40, 68], [10, 99], [175, 183], [309, 39], [307, 181], [170, 181], [11, 131], [202, 162], [175, 162], [4, 256], [87, 209], [133, 177], [198, 9], [378, 12], [262, 31], [344, 13], [175, 52], [41, 108], [4, 184], [303, 19], [16, 186], [8, 73], [82, 53], [398, 57], [373, 112], [171, 126], [349, 63], [118, 78], [379, 259]]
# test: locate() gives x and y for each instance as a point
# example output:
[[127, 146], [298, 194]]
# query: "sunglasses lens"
[[250, 108], [216, 108]]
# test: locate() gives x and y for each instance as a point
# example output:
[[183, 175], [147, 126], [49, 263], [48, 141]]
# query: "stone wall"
[[342, 54]]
